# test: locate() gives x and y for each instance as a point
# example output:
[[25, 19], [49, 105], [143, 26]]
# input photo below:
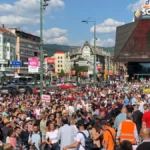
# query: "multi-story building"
[[7, 49], [62, 62], [27, 45], [104, 60]]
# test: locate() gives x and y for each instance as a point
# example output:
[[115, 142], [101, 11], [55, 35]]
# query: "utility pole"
[[90, 19], [95, 53], [108, 66], [41, 47], [42, 6]]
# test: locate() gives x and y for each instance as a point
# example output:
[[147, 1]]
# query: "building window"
[[7, 48], [58, 57], [58, 61], [61, 65], [4, 40], [58, 65], [4, 48], [61, 57], [58, 70]]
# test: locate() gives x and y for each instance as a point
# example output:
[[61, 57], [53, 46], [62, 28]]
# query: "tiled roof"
[[4, 30], [59, 52]]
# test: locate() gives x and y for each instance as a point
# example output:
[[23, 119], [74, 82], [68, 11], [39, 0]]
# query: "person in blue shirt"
[[133, 99], [121, 117], [126, 100]]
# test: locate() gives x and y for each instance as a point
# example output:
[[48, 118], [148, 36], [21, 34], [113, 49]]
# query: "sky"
[[62, 19]]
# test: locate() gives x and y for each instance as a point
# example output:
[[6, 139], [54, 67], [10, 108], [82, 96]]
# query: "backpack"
[[88, 142], [33, 147], [115, 145]]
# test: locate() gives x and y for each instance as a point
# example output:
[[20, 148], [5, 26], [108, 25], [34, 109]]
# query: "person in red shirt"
[[146, 119]]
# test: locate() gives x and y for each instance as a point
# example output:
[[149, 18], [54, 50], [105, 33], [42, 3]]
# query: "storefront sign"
[[99, 67], [50, 60], [33, 65]]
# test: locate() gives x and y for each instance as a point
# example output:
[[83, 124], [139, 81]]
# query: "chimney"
[[3, 25]]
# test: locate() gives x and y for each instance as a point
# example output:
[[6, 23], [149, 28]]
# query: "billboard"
[[33, 65], [144, 13], [50, 60]]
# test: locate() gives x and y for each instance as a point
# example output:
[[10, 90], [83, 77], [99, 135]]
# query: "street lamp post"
[[42, 6], [94, 21]]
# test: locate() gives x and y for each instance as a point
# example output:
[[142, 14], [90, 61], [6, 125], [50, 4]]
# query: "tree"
[[78, 68], [62, 73]]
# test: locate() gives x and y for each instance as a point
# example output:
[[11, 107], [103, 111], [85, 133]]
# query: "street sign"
[[16, 63], [83, 64], [68, 62]]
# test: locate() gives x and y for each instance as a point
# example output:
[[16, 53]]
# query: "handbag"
[[115, 145]]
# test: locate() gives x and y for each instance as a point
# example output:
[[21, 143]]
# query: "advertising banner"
[[33, 65]]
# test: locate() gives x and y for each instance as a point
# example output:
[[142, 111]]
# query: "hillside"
[[52, 48]]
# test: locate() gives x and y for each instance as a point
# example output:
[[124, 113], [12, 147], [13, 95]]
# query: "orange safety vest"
[[127, 131]]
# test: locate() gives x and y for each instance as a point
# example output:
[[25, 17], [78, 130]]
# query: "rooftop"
[[98, 51], [4, 30], [59, 52]]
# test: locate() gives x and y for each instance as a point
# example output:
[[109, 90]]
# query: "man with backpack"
[[35, 138], [109, 135], [83, 140]]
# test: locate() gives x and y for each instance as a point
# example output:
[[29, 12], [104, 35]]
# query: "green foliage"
[[78, 68], [62, 73]]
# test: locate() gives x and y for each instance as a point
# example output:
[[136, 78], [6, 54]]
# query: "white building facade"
[[7, 49]]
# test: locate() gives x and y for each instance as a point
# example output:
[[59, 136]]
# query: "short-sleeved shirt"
[[108, 137], [80, 138], [146, 119]]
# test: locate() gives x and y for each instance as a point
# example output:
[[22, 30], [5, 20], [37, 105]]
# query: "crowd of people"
[[115, 116]]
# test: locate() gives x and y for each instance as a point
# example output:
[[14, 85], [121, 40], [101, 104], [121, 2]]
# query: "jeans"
[[55, 146]]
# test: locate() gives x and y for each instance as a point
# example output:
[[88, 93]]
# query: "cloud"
[[14, 21], [136, 6], [25, 12], [108, 26], [104, 43], [54, 36]]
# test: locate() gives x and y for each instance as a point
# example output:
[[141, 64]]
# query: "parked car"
[[34, 82], [16, 82], [73, 82], [37, 90], [9, 90], [25, 89], [66, 86]]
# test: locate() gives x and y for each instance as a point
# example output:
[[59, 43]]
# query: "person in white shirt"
[[38, 111], [51, 137], [71, 109], [79, 142]]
